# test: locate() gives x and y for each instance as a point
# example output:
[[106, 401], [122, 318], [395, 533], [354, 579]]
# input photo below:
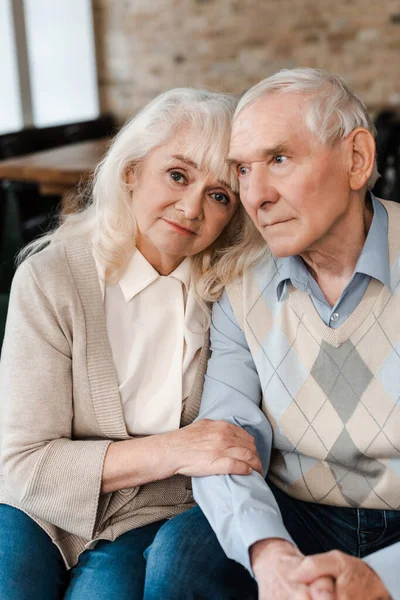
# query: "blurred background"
[[146, 46], [73, 71]]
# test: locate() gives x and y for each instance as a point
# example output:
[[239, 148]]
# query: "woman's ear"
[[132, 174], [362, 152], [129, 176]]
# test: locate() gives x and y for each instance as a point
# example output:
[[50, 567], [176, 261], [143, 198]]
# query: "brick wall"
[[147, 46]]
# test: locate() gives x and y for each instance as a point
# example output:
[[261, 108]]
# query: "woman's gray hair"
[[108, 219], [333, 110]]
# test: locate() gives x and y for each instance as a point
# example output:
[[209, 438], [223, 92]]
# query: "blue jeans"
[[155, 562], [314, 527], [319, 528]]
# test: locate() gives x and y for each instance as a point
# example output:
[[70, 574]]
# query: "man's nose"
[[260, 190], [191, 203]]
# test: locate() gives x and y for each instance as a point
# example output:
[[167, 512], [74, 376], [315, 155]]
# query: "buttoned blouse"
[[156, 330]]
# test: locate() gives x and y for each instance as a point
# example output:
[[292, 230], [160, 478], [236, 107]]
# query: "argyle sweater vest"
[[332, 396]]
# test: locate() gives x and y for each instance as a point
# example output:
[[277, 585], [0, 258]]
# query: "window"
[[49, 71]]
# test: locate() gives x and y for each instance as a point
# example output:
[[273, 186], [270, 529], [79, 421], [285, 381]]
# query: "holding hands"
[[284, 573], [210, 447], [354, 579], [274, 562]]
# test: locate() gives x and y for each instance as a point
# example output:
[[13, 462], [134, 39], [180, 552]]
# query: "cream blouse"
[[156, 330]]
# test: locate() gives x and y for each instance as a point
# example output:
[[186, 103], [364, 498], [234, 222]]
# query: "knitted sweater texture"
[[60, 408], [331, 395]]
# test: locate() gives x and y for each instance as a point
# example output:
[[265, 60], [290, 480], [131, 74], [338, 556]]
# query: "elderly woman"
[[103, 364]]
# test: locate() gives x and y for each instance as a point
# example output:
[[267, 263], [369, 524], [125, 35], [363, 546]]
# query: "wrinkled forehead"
[[274, 104], [269, 121]]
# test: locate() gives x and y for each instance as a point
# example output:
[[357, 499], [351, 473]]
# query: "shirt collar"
[[373, 260], [139, 274], [292, 270]]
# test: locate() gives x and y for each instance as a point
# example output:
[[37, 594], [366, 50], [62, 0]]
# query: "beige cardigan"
[[60, 408]]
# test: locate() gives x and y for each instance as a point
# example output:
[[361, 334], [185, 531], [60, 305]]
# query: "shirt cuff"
[[254, 525], [385, 563]]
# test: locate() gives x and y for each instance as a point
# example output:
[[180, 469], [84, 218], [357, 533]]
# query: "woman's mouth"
[[180, 228]]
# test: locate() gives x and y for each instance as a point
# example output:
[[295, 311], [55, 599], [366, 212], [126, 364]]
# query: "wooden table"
[[58, 170]]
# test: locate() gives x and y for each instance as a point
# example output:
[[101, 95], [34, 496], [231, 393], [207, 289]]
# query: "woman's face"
[[180, 208]]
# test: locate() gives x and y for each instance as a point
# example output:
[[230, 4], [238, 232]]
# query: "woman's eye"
[[221, 198], [177, 176]]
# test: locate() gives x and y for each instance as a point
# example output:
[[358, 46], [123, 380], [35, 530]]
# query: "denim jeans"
[[156, 562], [314, 527], [319, 528]]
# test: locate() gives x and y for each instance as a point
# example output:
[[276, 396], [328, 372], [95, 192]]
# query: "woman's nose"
[[191, 204]]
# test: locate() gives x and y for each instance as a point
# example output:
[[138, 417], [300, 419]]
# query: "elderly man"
[[306, 351]]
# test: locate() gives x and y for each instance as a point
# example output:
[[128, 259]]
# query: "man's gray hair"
[[333, 111]]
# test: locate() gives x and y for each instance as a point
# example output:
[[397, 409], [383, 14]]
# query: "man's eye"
[[242, 171], [279, 159], [221, 198], [177, 176]]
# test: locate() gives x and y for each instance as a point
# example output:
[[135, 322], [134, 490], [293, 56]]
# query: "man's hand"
[[273, 562], [354, 579]]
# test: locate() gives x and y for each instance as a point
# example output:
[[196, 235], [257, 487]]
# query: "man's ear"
[[361, 157]]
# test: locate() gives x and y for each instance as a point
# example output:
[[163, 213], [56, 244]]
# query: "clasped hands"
[[209, 447], [284, 573]]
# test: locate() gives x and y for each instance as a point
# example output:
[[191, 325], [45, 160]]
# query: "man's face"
[[294, 188]]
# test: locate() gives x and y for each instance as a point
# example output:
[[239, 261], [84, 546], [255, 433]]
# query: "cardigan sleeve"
[[51, 475]]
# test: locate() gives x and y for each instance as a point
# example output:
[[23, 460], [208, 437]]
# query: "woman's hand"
[[203, 448], [213, 448]]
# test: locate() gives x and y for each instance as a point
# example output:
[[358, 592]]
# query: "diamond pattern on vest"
[[331, 396], [356, 486], [343, 376], [391, 365]]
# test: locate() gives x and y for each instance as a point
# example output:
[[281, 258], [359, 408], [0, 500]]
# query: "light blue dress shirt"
[[373, 262], [241, 509]]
